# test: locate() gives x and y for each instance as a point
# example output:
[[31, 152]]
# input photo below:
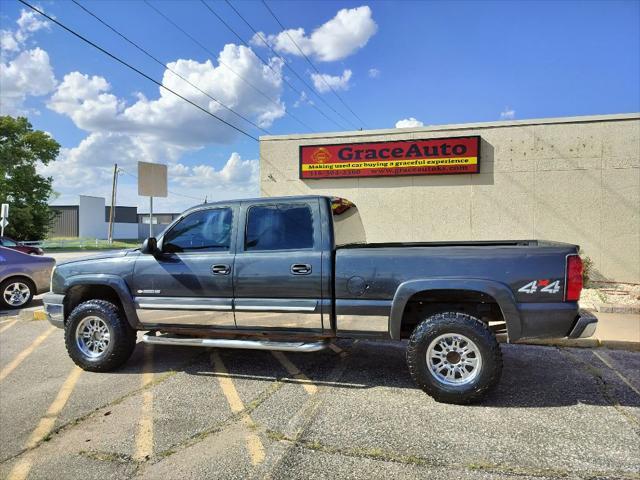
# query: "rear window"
[[347, 224], [279, 227]]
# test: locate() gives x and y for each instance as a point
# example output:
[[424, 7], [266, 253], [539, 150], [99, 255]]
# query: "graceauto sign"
[[436, 156]]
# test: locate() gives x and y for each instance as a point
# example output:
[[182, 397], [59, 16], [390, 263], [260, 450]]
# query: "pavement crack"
[[96, 411], [107, 456], [304, 417], [220, 426], [378, 454], [605, 388]]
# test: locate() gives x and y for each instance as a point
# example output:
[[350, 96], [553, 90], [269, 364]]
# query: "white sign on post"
[[152, 182], [4, 215]]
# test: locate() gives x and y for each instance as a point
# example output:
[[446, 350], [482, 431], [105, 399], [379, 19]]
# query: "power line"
[[265, 62], [139, 72], [310, 62], [261, 37], [124, 37], [214, 55]]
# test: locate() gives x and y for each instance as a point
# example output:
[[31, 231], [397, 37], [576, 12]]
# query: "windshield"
[[347, 224]]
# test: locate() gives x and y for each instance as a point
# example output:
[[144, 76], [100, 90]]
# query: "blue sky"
[[437, 62]]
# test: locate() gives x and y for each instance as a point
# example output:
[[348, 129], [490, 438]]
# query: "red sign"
[[436, 156]]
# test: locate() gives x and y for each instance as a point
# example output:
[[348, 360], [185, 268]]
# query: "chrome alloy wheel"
[[92, 336], [454, 359], [16, 294]]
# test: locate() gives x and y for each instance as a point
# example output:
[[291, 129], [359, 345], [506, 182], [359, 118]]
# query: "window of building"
[[279, 227], [204, 230]]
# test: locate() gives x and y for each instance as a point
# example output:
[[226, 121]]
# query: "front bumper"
[[54, 309], [585, 325]]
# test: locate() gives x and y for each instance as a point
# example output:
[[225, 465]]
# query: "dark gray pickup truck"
[[294, 273]]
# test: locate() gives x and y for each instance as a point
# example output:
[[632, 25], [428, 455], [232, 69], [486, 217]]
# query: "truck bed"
[[470, 243]]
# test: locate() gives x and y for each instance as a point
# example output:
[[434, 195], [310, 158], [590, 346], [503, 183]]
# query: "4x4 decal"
[[546, 286]]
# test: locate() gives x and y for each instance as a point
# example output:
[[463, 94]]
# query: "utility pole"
[[112, 212], [150, 217]]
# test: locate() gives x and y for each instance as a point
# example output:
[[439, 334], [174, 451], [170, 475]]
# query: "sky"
[[367, 65]]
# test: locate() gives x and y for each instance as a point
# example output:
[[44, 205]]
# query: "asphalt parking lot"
[[350, 411]]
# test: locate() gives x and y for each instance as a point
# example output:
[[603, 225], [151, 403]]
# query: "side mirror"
[[149, 246]]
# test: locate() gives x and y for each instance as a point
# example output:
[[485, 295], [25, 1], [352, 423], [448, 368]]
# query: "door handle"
[[220, 269], [301, 269]]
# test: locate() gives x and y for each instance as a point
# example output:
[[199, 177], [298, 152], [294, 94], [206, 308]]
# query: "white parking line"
[[25, 353], [610, 365], [295, 372], [10, 324], [21, 470], [144, 435], [254, 444]]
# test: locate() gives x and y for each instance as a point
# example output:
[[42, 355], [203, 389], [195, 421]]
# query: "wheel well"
[[24, 278], [81, 293], [478, 304]]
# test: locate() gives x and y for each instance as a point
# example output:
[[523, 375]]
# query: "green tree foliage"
[[21, 149]]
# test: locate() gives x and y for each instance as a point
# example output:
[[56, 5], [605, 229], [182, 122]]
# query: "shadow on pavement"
[[533, 376]]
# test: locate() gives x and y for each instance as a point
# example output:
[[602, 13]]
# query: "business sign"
[[435, 156], [152, 179]]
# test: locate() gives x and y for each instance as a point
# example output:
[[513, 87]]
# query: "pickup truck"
[[295, 273]]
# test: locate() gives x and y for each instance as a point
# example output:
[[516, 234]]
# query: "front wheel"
[[16, 292], [98, 337], [454, 357]]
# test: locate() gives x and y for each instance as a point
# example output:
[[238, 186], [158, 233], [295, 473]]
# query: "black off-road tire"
[[472, 328], [122, 337], [7, 282]]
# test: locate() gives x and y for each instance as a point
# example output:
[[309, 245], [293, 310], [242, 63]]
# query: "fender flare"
[[499, 291], [113, 281]]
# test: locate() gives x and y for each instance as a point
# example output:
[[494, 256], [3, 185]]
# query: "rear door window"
[[279, 227]]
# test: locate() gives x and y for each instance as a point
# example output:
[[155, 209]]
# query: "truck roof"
[[256, 199]]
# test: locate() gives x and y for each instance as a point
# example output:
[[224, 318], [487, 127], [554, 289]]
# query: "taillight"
[[574, 278]]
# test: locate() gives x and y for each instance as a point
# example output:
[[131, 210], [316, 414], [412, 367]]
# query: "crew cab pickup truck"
[[295, 273]]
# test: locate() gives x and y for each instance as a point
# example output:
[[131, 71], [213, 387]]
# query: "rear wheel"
[[454, 357], [16, 292], [98, 337]]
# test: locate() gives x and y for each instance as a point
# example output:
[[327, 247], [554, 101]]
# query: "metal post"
[[113, 202], [150, 216]]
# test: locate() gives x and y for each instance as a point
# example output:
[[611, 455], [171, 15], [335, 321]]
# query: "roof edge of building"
[[457, 126]]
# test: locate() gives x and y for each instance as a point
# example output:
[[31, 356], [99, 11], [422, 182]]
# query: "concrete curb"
[[585, 343], [617, 308]]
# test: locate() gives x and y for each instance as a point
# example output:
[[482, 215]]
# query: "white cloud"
[[343, 35], [508, 114], [324, 82], [169, 119], [23, 72], [28, 23], [303, 100], [409, 123], [237, 172], [29, 73], [163, 130], [373, 73], [88, 169]]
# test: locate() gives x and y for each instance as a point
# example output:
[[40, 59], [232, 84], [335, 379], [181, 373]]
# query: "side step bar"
[[166, 339]]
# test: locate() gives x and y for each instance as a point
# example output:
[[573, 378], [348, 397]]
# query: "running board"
[[231, 343]]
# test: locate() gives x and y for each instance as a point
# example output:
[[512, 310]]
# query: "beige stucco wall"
[[569, 179]]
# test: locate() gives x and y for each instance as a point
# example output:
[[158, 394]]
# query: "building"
[[571, 179], [90, 219]]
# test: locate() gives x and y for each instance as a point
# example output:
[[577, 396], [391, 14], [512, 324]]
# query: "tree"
[[22, 149]]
